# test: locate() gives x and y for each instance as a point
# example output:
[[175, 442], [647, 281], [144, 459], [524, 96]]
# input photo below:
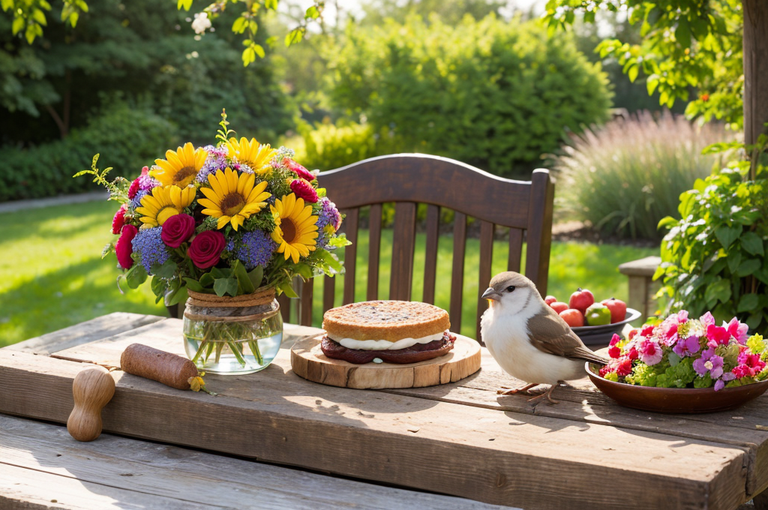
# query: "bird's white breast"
[[507, 338]]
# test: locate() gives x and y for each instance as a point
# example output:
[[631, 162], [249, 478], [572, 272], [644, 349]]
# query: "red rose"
[[205, 249], [614, 352], [298, 169], [119, 220], [124, 248], [177, 229], [304, 190]]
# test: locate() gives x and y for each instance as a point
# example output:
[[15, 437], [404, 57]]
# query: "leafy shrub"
[[327, 146], [626, 176], [491, 93], [715, 257], [127, 138]]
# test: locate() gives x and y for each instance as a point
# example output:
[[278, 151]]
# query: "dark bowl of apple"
[[601, 335]]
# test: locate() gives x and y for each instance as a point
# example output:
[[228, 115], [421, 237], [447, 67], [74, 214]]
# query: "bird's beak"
[[490, 293]]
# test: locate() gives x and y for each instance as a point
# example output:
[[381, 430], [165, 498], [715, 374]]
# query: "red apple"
[[550, 299], [618, 309], [581, 300], [558, 306], [573, 317]]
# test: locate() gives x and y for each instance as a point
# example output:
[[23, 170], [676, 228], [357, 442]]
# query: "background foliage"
[[490, 93], [626, 176]]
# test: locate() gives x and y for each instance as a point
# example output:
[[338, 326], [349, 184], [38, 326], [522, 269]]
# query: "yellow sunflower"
[[180, 167], [232, 197], [164, 202], [296, 231], [250, 153]]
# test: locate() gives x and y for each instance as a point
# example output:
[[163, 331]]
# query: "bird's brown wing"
[[554, 336]]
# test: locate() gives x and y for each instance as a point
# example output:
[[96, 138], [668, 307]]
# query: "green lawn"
[[52, 274]]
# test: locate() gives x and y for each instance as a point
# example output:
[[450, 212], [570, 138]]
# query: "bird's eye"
[[510, 288]]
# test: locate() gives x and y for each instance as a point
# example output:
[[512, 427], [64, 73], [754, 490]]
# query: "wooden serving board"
[[309, 362]]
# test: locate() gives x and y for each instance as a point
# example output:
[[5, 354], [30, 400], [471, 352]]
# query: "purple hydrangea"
[[217, 160], [150, 247], [146, 182], [256, 249], [136, 201], [329, 215]]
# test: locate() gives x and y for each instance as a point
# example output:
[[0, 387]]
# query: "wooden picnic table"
[[460, 440]]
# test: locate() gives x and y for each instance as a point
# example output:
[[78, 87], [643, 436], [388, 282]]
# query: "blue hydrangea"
[[256, 249], [150, 247], [136, 201], [217, 160]]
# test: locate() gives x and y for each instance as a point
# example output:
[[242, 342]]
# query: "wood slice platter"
[[309, 362]]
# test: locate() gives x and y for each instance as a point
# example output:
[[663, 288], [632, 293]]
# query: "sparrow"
[[528, 339]]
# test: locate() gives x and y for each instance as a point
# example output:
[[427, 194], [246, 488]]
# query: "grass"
[[52, 275]]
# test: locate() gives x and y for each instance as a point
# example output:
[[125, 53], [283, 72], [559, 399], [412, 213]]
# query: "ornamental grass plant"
[[626, 176]]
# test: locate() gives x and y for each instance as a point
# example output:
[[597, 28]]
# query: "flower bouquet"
[[225, 227], [679, 352]]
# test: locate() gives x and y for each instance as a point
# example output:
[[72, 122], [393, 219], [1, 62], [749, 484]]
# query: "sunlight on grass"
[[52, 275]]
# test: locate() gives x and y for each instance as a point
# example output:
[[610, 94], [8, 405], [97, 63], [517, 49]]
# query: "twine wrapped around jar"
[[255, 306]]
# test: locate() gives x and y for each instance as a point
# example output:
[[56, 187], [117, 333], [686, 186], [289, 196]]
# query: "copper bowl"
[[675, 400]]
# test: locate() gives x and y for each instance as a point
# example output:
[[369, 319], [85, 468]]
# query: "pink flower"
[[719, 384], [682, 316], [614, 352], [650, 352], [118, 220], [177, 229], [624, 368], [707, 319], [717, 335], [670, 334], [749, 364], [614, 340], [145, 170], [632, 354], [304, 190], [687, 346], [737, 330], [299, 170], [124, 248], [647, 331]]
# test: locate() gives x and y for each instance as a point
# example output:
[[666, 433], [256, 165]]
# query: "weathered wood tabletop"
[[460, 439]]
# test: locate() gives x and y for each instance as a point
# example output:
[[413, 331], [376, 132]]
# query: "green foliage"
[[628, 175], [142, 51], [714, 258], [685, 44], [490, 93], [328, 146], [47, 170]]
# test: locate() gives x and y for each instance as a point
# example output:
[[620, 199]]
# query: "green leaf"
[[632, 73], [727, 235], [734, 261], [159, 286], [193, 285], [747, 303], [718, 291], [242, 277], [18, 25], [295, 36], [223, 286], [256, 275], [184, 4], [752, 243], [312, 13], [136, 276], [167, 270], [762, 275], [748, 267], [249, 56], [239, 25], [287, 289], [683, 33], [754, 320], [177, 296], [332, 261], [271, 4], [206, 281], [259, 50]]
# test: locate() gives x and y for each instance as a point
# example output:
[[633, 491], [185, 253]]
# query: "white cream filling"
[[386, 345]]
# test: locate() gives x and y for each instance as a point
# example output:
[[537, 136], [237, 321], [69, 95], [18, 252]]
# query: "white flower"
[[201, 23]]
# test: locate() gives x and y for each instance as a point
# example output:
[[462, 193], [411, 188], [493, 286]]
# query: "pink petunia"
[[682, 316], [717, 335], [670, 335], [647, 331], [650, 352], [737, 330], [614, 340], [707, 319], [625, 367], [687, 346], [614, 352]]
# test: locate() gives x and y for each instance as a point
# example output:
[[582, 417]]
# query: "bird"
[[528, 339]]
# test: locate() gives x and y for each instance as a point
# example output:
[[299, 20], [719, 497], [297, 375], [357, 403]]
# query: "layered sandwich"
[[389, 331]]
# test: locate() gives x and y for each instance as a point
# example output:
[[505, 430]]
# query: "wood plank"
[[288, 420], [374, 252], [285, 307], [403, 245], [484, 276], [350, 254], [515, 249], [88, 331], [539, 231], [309, 362], [329, 293], [305, 305], [40, 463], [457, 273], [430, 255]]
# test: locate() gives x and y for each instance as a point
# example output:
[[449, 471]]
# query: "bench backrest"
[[411, 179]]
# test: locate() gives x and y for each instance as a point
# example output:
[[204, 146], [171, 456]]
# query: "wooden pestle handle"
[[92, 389]]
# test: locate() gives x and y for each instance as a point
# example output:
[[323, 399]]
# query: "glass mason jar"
[[233, 335]]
